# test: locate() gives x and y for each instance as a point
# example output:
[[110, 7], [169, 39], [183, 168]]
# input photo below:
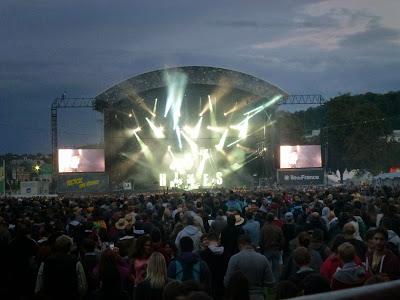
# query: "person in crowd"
[[167, 224], [286, 289], [156, 278], [237, 287], [368, 240], [324, 216], [188, 265], [382, 261], [140, 258], [348, 232], [172, 290], [252, 228], [217, 261], [317, 223], [191, 231], [169, 252], [111, 285], [350, 275], [111, 257], [393, 239], [318, 244], [22, 250], [302, 259], [333, 262], [315, 284], [230, 234], [289, 233], [291, 268], [271, 243], [177, 229], [89, 262], [254, 265], [204, 242], [61, 276], [219, 224]]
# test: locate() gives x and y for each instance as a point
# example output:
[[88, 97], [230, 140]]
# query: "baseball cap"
[[289, 216]]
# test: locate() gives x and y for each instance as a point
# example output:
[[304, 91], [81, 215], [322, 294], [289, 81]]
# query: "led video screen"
[[298, 157], [80, 160]]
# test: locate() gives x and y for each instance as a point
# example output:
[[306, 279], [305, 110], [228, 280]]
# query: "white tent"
[[389, 179]]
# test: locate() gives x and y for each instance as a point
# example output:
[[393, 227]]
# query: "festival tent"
[[388, 179]]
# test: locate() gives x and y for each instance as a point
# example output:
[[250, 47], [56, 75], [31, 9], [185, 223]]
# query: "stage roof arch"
[[196, 75]]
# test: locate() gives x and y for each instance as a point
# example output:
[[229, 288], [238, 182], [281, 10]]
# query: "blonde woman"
[[153, 286]]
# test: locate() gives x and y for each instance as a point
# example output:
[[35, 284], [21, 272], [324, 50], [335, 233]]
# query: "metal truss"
[[302, 99], [64, 102]]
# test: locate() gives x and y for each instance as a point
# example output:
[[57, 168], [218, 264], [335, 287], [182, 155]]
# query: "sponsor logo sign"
[[301, 177], [83, 183]]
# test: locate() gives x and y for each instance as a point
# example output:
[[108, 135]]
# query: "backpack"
[[187, 271]]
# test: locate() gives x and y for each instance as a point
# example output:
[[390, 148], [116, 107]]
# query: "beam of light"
[[247, 149], [243, 129], [188, 130], [176, 83], [193, 145], [132, 114], [210, 104], [157, 130], [178, 133], [196, 130], [235, 142], [154, 110], [170, 151], [236, 165], [231, 110], [253, 110], [131, 132], [259, 109], [213, 120], [204, 156], [206, 107], [221, 143], [145, 149], [216, 129]]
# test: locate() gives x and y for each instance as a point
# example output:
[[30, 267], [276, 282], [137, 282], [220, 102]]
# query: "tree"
[[356, 135]]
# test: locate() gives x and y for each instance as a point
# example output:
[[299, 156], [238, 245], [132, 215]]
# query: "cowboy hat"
[[238, 220], [121, 224], [129, 219]]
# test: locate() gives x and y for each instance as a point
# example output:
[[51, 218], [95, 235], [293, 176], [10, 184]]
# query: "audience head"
[[186, 244]]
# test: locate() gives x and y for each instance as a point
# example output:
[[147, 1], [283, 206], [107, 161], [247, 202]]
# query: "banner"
[[83, 183], [46, 169], [301, 177], [2, 180]]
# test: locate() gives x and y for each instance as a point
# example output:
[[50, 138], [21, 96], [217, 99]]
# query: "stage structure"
[[188, 127]]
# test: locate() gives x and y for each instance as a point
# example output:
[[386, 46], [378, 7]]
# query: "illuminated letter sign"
[[163, 179], [219, 177]]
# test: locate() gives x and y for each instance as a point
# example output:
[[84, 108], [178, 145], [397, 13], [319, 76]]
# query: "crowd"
[[227, 244]]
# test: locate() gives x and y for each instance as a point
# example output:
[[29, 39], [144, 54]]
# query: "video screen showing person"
[[81, 160], [298, 157]]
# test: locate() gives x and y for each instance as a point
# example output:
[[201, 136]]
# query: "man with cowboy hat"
[[120, 229]]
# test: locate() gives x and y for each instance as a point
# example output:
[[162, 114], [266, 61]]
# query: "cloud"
[[327, 35]]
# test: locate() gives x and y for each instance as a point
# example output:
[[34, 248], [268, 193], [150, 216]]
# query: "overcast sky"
[[84, 47]]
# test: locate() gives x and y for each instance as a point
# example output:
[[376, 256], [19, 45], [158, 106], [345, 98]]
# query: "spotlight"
[[130, 115]]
